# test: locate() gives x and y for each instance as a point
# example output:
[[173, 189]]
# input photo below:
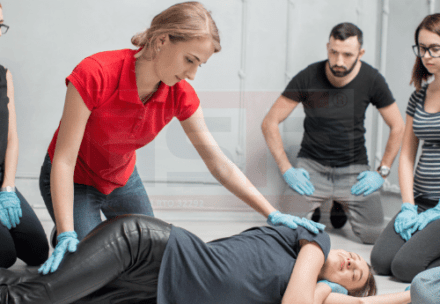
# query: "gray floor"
[[213, 225]]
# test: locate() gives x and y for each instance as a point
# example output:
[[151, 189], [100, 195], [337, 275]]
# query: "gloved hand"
[[408, 288], [405, 221], [277, 218], [335, 287], [67, 241], [299, 180], [427, 217], [369, 181], [10, 210]]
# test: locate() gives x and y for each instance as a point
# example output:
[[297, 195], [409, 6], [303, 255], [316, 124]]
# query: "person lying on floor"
[[141, 259]]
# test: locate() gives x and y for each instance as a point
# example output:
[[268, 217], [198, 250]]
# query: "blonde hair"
[[181, 22]]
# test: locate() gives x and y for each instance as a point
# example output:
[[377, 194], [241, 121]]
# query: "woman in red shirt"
[[117, 102]]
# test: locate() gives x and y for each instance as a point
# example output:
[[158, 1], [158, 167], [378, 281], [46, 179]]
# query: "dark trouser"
[[27, 241], [88, 202], [364, 212], [118, 262], [391, 255]]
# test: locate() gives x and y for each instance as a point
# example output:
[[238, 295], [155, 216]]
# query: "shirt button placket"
[[138, 124]]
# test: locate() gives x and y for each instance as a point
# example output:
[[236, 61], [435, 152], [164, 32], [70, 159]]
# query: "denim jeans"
[[88, 201]]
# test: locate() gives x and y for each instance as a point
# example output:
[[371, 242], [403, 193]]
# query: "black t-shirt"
[[253, 267], [4, 116], [334, 122]]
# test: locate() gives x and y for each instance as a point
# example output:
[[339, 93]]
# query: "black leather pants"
[[118, 262]]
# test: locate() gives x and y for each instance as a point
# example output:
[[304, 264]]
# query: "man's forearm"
[[274, 141], [392, 147]]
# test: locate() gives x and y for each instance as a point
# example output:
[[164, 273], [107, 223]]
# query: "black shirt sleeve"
[[381, 95], [322, 239], [296, 89]]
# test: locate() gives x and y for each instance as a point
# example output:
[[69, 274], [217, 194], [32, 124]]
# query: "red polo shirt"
[[120, 123]]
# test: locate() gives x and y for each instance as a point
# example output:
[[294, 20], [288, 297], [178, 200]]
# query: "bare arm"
[[73, 123], [302, 287], [223, 169], [11, 157], [393, 119], [406, 162], [392, 298], [280, 110]]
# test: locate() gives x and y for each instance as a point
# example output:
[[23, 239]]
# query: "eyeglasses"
[[420, 51], [4, 28]]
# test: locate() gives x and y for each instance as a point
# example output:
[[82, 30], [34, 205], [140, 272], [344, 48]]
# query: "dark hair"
[[420, 73], [346, 30], [369, 289], [181, 22]]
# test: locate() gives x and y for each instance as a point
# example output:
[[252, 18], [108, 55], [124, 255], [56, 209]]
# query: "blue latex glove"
[[335, 287], [427, 217], [368, 182], [299, 180], [408, 288], [277, 218], [10, 210], [405, 221], [67, 241]]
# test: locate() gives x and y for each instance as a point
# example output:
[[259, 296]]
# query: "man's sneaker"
[[338, 218], [316, 216]]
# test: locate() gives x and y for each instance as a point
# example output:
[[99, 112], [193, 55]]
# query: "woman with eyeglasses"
[[21, 233], [410, 243]]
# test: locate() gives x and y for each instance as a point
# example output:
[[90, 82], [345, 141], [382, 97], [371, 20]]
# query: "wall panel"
[[265, 42]]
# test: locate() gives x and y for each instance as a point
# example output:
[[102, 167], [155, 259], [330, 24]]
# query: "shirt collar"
[[127, 83]]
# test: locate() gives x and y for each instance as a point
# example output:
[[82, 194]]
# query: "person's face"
[[345, 268], [343, 55], [430, 40], [180, 60]]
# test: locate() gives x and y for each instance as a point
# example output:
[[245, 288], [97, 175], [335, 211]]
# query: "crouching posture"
[[140, 259]]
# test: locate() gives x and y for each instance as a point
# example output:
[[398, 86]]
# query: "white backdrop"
[[265, 43]]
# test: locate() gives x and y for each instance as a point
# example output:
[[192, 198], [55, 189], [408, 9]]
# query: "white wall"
[[264, 41]]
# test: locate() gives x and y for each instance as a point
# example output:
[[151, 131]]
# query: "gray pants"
[[391, 255], [364, 212]]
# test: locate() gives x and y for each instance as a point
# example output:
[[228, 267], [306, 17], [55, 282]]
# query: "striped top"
[[426, 127]]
